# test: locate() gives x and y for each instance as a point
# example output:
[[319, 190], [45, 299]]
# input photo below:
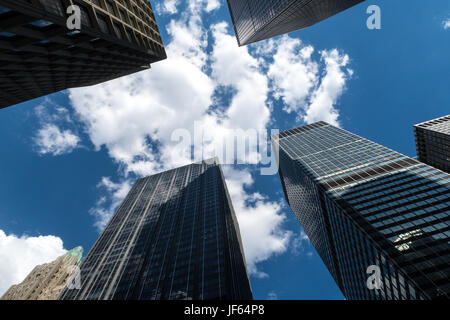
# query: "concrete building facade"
[[40, 54], [47, 281]]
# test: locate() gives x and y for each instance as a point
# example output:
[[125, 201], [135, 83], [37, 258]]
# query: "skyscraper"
[[433, 142], [41, 55], [256, 20], [175, 236], [369, 211], [46, 281]]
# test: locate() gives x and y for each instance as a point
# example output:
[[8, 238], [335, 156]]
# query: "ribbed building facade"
[[256, 20], [174, 237], [433, 142], [362, 204], [47, 281], [40, 55]]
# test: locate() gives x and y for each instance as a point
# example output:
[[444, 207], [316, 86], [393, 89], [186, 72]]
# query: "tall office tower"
[[256, 20], [40, 55], [46, 281], [175, 236], [433, 142], [365, 207]]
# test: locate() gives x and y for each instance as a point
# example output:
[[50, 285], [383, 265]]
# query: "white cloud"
[[212, 5], [300, 244], [172, 6], [126, 113], [168, 6], [272, 296], [19, 255], [260, 221], [332, 85], [308, 86], [293, 72], [50, 139], [50, 112], [107, 204], [446, 24], [135, 116], [234, 66]]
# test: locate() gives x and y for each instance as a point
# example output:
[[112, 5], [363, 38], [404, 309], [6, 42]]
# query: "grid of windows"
[[175, 236], [373, 206], [433, 142], [40, 55], [256, 20]]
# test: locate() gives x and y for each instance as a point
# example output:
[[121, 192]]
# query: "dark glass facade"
[[256, 20], [175, 236], [362, 204], [433, 142], [39, 55]]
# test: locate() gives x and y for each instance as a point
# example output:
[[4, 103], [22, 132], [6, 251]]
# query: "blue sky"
[[69, 158]]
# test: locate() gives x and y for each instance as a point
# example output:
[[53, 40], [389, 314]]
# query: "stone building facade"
[[46, 281]]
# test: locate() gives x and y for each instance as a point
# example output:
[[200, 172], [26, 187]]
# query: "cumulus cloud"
[[135, 116], [307, 85], [138, 118], [19, 255], [294, 73], [124, 114], [300, 244], [114, 193], [212, 5], [50, 139], [168, 6], [324, 97], [260, 221], [127, 113], [51, 112], [234, 66]]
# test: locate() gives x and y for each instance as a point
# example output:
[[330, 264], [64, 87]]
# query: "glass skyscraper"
[[175, 236], [40, 55], [364, 206], [433, 142], [256, 20]]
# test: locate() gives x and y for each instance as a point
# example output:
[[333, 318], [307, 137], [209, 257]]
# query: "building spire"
[[76, 252]]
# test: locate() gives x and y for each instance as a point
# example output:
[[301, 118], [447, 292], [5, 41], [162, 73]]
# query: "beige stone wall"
[[45, 282]]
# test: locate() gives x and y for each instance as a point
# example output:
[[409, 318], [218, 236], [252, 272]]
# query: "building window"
[[117, 30], [53, 6], [85, 20], [41, 23], [110, 8], [103, 24], [4, 10]]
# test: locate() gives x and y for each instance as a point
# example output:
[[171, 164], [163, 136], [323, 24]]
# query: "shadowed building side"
[[433, 142], [39, 55], [256, 20], [174, 237], [361, 205]]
